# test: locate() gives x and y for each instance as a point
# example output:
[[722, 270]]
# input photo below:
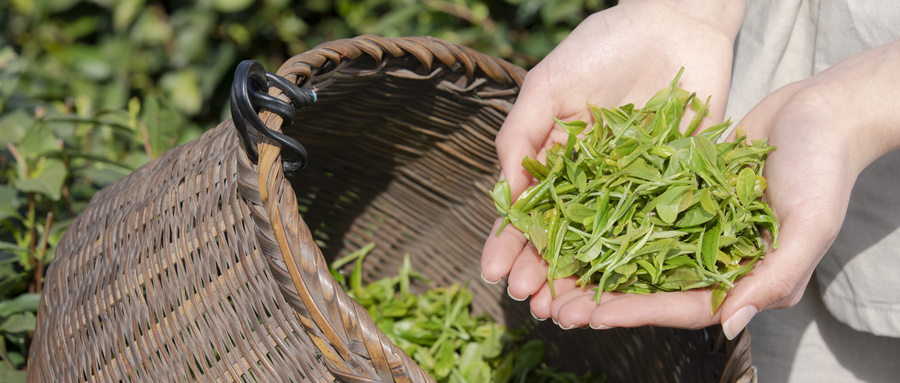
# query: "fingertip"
[[492, 269], [528, 273], [566, 290], [736, 323], [599, 326], [577, 311], [517, 297], [494, 282], [524, 132], [499, 252], [533, 315], [540, 303]]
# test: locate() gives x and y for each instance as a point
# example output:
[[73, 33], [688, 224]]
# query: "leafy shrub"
[[92, 89]]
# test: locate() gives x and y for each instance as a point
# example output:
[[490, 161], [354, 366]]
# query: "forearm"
[[861, 95], [723, 15]]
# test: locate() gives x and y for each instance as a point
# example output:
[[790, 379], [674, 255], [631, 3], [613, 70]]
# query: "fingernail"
[[571, 326], [599, 326], [556, 322], [511, 296], [487, 281], [535, 317], [502, 176], [734, 325]]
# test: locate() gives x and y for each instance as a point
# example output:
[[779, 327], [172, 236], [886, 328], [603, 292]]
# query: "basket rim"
[[389, 363]]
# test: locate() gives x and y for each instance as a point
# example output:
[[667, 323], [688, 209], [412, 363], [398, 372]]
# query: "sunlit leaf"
[[19, 322], [635, 206], [673, 201], [37, 141], [709, 246], [48, 180], [21, 303], [746, 181], [718, 296]]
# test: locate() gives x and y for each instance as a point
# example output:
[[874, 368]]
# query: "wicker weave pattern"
[[405, 152], [199, 266], [161, 278], [333, 321]]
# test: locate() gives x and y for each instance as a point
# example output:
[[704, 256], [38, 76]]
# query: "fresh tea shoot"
[[437, 330], [631, 204]]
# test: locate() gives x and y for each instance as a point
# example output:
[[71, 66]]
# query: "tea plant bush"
[[92, 89]]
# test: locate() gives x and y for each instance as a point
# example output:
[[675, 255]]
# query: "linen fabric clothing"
[[854, 292]]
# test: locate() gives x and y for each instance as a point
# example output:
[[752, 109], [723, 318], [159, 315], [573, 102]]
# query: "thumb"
[[778, 281], [525, 131]]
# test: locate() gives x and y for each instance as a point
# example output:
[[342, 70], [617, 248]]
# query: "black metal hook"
[[250, 94]]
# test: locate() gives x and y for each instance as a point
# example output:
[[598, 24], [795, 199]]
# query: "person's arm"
[[827, 128], [621, 55]]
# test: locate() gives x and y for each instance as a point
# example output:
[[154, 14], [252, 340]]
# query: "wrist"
[[724, 16], [861, 95]]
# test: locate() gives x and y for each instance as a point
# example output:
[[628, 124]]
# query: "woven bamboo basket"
[[206, 265]]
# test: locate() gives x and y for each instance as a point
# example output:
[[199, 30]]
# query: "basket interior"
[[402, 156], [399, 161], [173, 271]]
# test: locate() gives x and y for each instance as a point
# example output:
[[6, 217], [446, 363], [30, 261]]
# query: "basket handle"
[[352, 346], [249, 95]]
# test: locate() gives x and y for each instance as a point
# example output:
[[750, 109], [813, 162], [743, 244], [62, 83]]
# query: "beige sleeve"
[[783, 41]]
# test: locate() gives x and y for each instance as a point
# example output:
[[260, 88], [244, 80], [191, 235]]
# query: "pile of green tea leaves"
[[442, 336], [631, 204]]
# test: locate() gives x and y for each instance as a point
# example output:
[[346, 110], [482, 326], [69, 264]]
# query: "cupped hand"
[[621, 55], [824, 138]]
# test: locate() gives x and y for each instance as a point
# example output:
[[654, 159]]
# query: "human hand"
[[621, 55], [824, 139]]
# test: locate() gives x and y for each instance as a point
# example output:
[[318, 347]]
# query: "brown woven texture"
[[204, 266]]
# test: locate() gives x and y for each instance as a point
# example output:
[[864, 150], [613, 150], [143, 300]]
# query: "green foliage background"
[[91, 90]]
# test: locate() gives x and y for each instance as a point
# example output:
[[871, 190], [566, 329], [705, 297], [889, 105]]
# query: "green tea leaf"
[[445, 359], [627, 269], [706, 202], [694, 216], [663, 150], [635, 206], [565, 267], [749, 153], [639, 169], [718, 296], [682, 278], [713, 133], [704, 157], [531, 196], [650, 269], [577, 175], [502, 200], [573, 127], [727, 259], [535, 168], [590, 254], [537, 233], [701, 111], [710, 246], [680, 261], [746, 181], [769, 222], [577, 212], [673, 201]]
